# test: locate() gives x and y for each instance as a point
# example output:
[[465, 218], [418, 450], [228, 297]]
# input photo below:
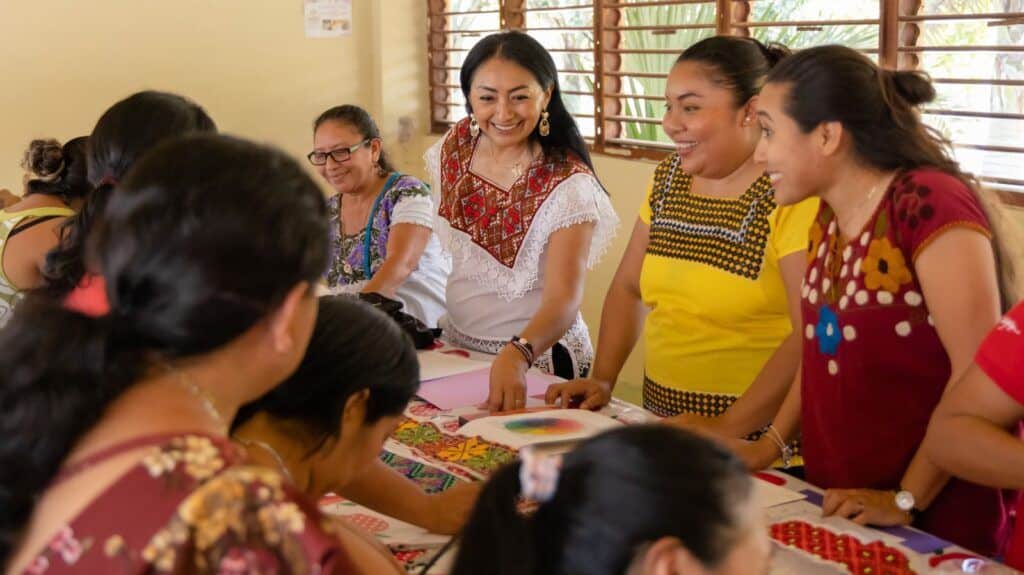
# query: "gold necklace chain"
[[517, 167], [874, 189], [273, 453], [200, 393]]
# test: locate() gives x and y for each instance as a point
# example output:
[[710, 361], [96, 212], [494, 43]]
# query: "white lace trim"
[[579, 199], [418, 210], [576, 340]]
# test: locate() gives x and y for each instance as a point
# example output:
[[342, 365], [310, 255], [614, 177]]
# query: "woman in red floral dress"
[[902, 285], [114, 455]]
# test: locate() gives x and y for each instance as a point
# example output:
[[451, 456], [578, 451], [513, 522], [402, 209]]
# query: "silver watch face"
[[905, 500]]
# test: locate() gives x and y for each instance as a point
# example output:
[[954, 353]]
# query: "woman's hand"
[[595, 393], [508, 381], [865, 507], [449, 510]]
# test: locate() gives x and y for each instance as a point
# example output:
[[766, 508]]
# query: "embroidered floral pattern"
[[913, 206], [347, 264], [475, 455], [228, 520], [814, 242], [828, 331], [884, 267]]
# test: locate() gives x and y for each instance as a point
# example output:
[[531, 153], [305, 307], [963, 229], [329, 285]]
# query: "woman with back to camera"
[[55, 187], [114, 454]]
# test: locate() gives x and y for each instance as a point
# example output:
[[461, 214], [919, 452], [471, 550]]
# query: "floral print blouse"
[[189, 508], [874, 367], [407, 200]]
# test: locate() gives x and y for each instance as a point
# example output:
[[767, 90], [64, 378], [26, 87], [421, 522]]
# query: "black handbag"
[[423, 337]]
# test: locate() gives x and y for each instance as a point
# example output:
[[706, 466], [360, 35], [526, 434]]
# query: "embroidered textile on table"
[[496, 220], [727, 234], [430, 479], [476, 455], [875, 558]]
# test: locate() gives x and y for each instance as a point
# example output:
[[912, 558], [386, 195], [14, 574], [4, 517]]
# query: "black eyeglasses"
[[340, 155]]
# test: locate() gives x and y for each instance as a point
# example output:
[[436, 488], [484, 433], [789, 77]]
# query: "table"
[[428, 448]]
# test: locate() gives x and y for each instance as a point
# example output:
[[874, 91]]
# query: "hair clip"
[[538, 475]]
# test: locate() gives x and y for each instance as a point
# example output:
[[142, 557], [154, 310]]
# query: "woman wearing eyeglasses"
[[381, 220]]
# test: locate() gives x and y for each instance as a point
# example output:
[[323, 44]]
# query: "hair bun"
[[913, 86], [774, 52], [44, 159]]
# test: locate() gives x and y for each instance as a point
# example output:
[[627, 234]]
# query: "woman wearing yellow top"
[[55, 186], [713, 265]]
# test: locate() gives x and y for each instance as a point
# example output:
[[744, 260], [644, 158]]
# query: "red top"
[[189, 508], [873, 365], [1001, 357]]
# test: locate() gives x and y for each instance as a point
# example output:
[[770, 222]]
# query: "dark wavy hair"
[[740, 64], [879, 108], [56, 170], [354, 347], [123, 133], [184, 247], [615, 492], [528, 53], [363, 123]]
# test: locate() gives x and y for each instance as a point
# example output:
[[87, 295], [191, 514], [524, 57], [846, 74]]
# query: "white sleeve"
[[417, 210], [579, 199]]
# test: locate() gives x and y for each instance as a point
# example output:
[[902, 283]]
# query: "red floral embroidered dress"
[[498, 240], [873, 365], [188, 508]]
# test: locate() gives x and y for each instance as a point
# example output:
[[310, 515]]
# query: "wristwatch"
[[905, 502]]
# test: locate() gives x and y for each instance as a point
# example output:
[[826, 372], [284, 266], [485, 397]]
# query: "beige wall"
[[63, 62]]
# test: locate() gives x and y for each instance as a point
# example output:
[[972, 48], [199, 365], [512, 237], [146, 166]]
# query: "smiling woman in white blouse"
[[522, 215]]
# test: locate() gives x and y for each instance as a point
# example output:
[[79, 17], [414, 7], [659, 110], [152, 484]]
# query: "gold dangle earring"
[[474, 128], [544, 128]]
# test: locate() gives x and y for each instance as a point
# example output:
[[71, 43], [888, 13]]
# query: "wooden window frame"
[[897, 19]]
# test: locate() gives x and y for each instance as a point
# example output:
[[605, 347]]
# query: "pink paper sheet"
[[470, 388]]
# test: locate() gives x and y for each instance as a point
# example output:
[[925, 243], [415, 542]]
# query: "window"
[[612, 57], [974, 51]]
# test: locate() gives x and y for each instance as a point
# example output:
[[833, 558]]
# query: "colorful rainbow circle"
[[544, 426]]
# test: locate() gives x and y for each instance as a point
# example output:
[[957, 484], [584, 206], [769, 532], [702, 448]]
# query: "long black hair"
[[362, 121], [528, 53], [879, 108], [184, 247], [354, 347], [615, 492], [740, 64], [56, 170], [127, 130]]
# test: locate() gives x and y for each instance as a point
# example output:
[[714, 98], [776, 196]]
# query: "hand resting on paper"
[[590, 393], [508, 381]]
